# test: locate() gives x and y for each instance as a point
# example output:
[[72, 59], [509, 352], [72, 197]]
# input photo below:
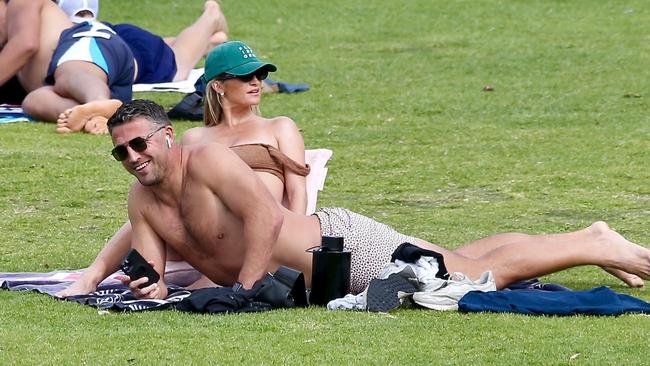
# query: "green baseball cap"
[[235, 58]]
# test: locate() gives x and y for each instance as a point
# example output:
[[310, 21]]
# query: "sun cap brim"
[[251, 67], [245, 69]]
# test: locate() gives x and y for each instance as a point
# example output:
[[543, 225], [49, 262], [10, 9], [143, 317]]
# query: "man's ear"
[[169, 131]]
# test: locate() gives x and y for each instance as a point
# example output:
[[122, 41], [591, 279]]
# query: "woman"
[[231, 117], [272, 147]]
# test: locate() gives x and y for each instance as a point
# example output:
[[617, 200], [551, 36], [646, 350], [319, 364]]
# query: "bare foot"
[[629, 279], [97, 125], [77, 288], [75, 119], [62, 122], [631, 262], [212, 9], [217, 39], [211, 6], [601, 228]]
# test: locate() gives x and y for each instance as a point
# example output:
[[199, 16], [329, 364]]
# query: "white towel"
[[182, 86]]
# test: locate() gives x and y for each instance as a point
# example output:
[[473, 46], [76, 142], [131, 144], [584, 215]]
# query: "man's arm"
[[23, 27], [145, 240], [239, 188]]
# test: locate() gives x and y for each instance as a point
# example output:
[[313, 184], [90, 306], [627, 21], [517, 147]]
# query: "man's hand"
[[154, 291]]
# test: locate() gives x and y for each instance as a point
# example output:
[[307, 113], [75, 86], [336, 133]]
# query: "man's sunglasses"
[[259, 74], [138, 144]]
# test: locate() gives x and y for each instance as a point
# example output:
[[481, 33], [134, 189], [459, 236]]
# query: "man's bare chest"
[[206, 218]]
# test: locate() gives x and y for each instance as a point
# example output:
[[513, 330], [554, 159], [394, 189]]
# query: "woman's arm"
[[106, 262], [291, 144], [193, 136]]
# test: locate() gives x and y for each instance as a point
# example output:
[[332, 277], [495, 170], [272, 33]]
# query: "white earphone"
[[169, 142]]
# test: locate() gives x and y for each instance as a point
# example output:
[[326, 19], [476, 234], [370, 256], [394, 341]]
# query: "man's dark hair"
[[152, 111]]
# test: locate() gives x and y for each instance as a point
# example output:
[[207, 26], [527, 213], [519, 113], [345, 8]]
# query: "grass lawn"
[[397, 92]]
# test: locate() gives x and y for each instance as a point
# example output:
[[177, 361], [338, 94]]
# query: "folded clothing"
[[222, 300], [414, 276], [597, 301], [283, 289]]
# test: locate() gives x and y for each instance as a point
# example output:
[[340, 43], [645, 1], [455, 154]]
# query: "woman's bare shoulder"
[[283, 124], [195, 135]]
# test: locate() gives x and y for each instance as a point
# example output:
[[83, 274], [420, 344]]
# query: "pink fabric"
[[317, 160]]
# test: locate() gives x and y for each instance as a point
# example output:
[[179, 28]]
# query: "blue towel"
[[13, 113], [597, 301]]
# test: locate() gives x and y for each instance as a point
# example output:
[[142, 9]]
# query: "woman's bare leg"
[[536, 256], [481, 247]]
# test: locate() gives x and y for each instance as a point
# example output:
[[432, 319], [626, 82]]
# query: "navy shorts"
[[156, 60], [94, 42]]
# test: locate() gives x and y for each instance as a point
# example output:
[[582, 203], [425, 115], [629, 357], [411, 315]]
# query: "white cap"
[[73, 7]]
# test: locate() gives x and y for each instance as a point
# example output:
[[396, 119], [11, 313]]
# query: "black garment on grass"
[[410, 253], [12, 92]]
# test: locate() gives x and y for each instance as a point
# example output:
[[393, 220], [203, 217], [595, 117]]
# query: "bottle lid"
[[332, 243]]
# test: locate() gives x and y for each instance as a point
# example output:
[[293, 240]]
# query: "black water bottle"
[[330, 272]]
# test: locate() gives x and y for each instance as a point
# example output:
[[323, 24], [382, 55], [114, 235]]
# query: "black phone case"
[[135, 266]]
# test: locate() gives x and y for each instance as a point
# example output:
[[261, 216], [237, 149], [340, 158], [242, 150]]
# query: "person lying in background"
[[59, 65], [157, 60]]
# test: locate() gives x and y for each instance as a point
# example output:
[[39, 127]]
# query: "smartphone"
[[135, 266]]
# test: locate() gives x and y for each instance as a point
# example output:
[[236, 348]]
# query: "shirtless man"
[[210, 207], [158, 60], [54, 63]]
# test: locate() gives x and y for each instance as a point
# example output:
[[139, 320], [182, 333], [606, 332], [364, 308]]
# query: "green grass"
[[397, 93]]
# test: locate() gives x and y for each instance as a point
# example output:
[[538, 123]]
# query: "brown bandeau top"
[[268, 159]]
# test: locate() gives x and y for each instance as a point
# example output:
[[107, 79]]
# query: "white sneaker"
[[447, 297]]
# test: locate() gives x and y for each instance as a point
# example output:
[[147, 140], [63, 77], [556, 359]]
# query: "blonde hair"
[[212, 108]]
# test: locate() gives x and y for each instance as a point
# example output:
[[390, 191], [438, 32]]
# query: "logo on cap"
[[246, 51]]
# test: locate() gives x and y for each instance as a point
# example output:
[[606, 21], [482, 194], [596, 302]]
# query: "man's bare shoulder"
[[209, 160], [139, 194]]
